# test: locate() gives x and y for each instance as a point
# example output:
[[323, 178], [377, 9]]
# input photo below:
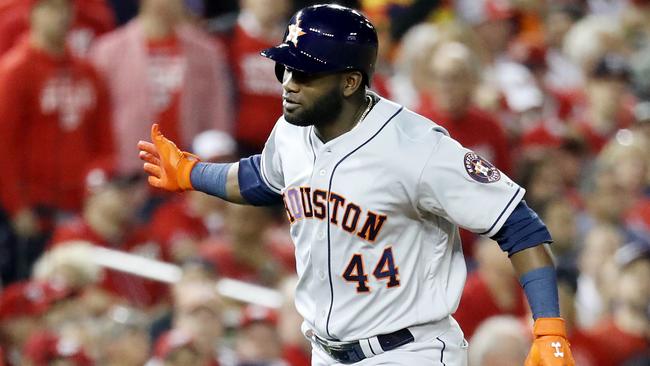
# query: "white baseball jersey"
[[374, 217]]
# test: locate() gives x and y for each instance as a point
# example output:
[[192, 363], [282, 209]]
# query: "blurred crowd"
[[556, 93]]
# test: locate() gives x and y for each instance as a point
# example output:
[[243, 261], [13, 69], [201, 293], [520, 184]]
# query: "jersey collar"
[[374, 121]]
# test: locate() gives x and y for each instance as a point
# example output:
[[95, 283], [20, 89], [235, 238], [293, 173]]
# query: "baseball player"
[[375, 195]]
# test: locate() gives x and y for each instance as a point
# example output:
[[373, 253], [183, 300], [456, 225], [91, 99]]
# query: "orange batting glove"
[[168, 167], [550, 347]]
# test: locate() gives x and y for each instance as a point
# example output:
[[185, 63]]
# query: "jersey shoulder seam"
[[434, 147], [266, 180]]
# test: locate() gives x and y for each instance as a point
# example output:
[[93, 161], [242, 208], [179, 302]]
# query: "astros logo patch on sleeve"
[[480, 169]]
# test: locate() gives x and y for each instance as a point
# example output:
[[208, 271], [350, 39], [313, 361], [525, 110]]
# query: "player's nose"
[[288, 82]]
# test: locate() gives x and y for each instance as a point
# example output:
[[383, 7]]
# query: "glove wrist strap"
[[549, 326], [185, 167]]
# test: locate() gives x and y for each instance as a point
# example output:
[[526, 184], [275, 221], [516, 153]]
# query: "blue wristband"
[[540, 286], [210, 178]]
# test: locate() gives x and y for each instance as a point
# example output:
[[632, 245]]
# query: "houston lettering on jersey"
[[304, 203]]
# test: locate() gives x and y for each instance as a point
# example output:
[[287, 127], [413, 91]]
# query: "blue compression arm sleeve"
[[210, 178], [522, 230], [251, 185], [540, 286]]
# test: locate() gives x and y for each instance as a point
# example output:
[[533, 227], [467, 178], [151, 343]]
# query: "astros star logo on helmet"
[[294, 32]]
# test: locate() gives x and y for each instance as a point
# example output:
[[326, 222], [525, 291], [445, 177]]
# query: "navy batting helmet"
[[326, 38]]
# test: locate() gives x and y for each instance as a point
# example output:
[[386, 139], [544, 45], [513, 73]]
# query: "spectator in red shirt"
[[54, 119], [247, 251], [259, 25], [109, 220], [91, 19], [161, 68], [22, 309], [507, 87], [492, 289], [455, 73]]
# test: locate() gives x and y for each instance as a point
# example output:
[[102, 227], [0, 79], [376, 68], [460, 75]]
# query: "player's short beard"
[[324, 110]]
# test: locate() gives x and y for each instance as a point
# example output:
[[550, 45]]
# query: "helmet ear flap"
[[279, 71]]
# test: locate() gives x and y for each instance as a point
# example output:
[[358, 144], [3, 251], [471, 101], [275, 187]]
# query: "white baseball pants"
[[440, 344]]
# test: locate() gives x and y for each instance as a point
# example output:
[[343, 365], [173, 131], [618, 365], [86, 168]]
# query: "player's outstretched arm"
[[535, 269], [173, 170], [524, 237]]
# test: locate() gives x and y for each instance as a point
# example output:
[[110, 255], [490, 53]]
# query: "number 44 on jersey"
[[384, 270]]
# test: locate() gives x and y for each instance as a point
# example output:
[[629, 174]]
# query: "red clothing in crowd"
[[45, 348], [586, 352], [173, 221], [617, 346], [92, 18], [259, 94], [280, 261], [477, 130], [123, 57], [595, 139], [581, 121], [543, 136], [295, 356], [379, 85], [638, 216], [477, 304], [54, 120], [137, 290]]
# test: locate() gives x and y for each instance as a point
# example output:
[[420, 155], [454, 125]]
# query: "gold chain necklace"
[[365, 113]]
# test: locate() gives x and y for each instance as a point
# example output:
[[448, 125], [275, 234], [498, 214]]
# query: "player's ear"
[[351, 82]]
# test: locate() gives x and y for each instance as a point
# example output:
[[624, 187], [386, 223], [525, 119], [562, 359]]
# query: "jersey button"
[[322, 172], [321, 275]]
